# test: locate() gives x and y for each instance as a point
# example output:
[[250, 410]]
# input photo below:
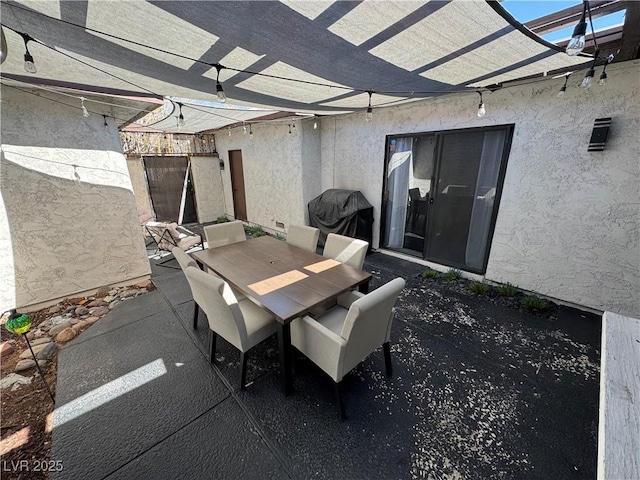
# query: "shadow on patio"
[[479, 390]]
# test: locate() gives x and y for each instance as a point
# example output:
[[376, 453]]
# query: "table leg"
[[364, 287], [284, 346]]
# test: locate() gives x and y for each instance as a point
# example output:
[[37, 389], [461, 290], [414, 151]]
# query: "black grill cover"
[[346, 212]]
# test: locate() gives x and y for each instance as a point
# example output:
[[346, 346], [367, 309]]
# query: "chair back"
[[347, 250], [303, 236], [183, 259], [224, 233], [217, 300], [368, 322]]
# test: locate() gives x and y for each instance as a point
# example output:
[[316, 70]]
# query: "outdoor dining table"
[[285, 280]]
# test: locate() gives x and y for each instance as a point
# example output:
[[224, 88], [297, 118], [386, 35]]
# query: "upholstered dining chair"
[[224, 233], [240, 322], [341, 338], [303, 236], [350, 251]]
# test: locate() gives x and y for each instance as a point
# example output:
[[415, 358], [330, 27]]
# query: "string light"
[[603, 77], [481, 110], [250, 132], [3, 46], [586, 83], [564, 87], [315, 122], [229, 132], [289, 129], [180, 116], [85, 112], [368, 116], [76, 175], [219, 90], [576, 44], [244, 128], [29, 65], [106, 125]]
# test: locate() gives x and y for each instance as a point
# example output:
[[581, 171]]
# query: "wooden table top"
[[273, 274]]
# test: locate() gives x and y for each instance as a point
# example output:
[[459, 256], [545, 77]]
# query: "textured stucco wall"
[[568, 220], [65, 237], [208, 188], [311, 164], [272, 172], [135, 165]]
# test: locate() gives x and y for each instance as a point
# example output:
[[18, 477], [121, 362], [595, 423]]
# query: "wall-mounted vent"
[[279, 224], [599, 134]]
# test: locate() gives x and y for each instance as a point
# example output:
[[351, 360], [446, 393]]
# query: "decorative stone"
[[47, 351], [5, 349], [114, 304], [109, 298], [28, 363], [102, 291], [36, 349], [76, 301], [80, 325], [40, 341], [14, 380], [100, 311], [37, 333], [58, 328], [129, 293], [73, 321], [83, 301], [31, 335], [96, 303], [91, 320], [82, 311], [54, 309], [70, 308], [66, 335], [113, 292], [58, 320], [143, 284]]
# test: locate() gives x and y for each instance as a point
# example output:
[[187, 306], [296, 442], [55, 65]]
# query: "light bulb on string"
[[106, 125], [229, 132], [250, 132], [180, 116], [85, 112], [289, 129], [577, 42], [315, 122], [3, 46], [244, 128], [29, 64], [368, 116], [76, 175], [586, 83], [563, 89], [481, 110], [222, 98], [603, 76]]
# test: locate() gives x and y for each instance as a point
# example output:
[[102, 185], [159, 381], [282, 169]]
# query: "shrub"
[[279, 236], [508, 290], [534, 304], [478, 288], [430, 274], [222, 219], [254, 231], [453, 275]]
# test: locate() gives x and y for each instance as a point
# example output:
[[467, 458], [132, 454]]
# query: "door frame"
[[232, 176], [436, 171]]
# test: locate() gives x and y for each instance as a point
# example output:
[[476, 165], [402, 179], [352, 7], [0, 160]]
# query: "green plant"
[[534, 304], [478, 288], [222, 219], [279, 236], [453, 275], [254, 231], [508, 290], [430, 274]]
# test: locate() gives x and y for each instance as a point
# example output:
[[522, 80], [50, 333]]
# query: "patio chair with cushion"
[[350, 251], [224, 233], [240, 322], [344, 336], [303, 236], [166, 236]]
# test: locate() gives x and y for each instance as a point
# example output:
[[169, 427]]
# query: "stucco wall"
[[311, 164], [272, 172], [65, 237], [208, 188]]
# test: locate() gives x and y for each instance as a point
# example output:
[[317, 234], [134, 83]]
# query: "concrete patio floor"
[[479, 390]]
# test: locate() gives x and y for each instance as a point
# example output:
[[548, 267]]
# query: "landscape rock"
[[40, 341], [28, 363], [47, 352], [82, 311], [14, 380], [143, 284], [59, 328], [109, 298], [129, 293], [98, 312], [57, 320], [34, 334], [80, 325], [102, 291], [91, 320], [96, 303], [5, 348], [114, 304], [73, 321], [36, 349], [66, 335], [113, 292], [54, 309]]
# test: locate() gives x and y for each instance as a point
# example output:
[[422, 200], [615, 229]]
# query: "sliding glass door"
[[441, 194]]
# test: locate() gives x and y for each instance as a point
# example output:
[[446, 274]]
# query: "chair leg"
[[195, 315], [387, 358], [212, 346], [243, 374], [337, 386]]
